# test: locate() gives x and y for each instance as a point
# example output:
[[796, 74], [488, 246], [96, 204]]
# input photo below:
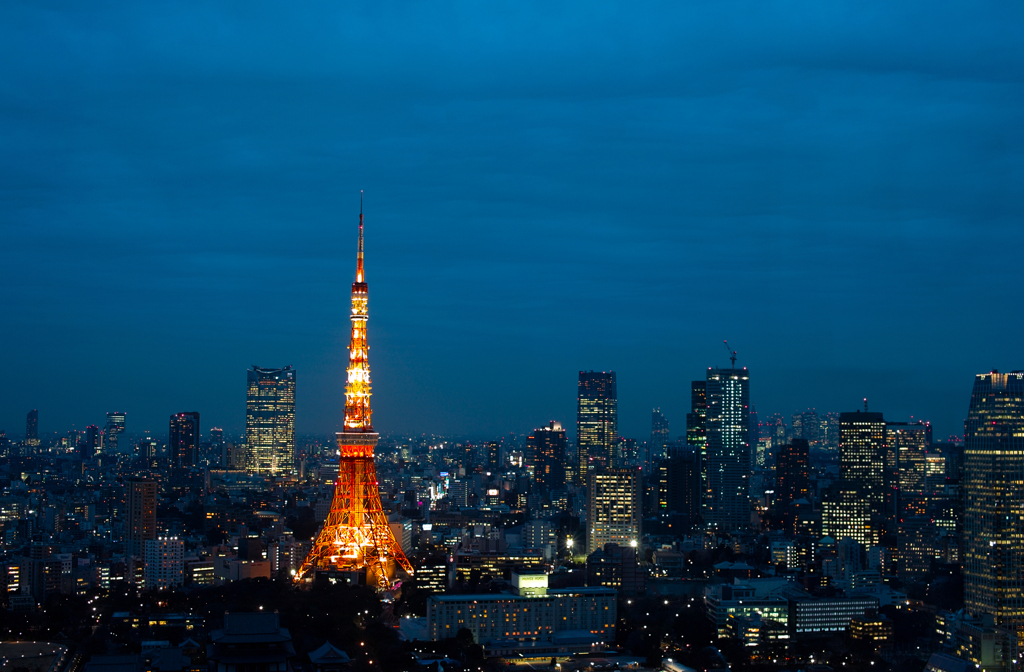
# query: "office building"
[[493, 456], [113, 430], [183, 440], [863, 455], [87, 446], [597, 421], [907, 445], [433, 575], [270, 421], [613, 508], [679, 487], [148, 450], [807, 426], [659, 437], [792, 473], [32, 428], [617, 567], [846, 512], [993, 489], [165, 563], [545, 457], [140, 519], [697, 431], [729, 457]]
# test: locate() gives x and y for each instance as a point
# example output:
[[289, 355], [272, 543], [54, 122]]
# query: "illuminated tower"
[[356, 536]]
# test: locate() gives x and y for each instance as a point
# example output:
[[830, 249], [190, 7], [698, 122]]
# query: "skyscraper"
[[32, 428], [679, 486], [270, 421], [993, 486], [863, 459], [87, 447], [613, 508], [183, 440], [907, 444], [140, 522], [793, 473], [113, 430], [729, 454], [597, 420], [807, 426], [493, 456], [545, 454], [659, 437], [697, 431]]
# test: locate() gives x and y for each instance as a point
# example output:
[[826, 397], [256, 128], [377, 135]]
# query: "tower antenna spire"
[[359, 260]]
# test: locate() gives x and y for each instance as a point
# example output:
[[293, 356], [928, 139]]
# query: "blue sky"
[[834, 187]]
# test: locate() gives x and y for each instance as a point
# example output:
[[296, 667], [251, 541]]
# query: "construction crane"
[[732, 354]]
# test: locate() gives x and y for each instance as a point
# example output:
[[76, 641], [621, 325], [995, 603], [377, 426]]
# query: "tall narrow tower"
[[356, 537]]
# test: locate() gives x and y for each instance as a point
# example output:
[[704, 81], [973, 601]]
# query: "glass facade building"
[[993, 487], [270, 421], [729, 457], [597, 421]]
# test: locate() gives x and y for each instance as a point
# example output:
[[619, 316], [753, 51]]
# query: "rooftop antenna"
[[865, 404], [732, 354]]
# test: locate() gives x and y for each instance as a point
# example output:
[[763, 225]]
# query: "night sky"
[[837, 189]]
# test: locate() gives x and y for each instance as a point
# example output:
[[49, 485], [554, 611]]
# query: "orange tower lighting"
[[356, 536]]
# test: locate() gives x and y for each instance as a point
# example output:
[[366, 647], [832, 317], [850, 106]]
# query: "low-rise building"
[[524, 618]]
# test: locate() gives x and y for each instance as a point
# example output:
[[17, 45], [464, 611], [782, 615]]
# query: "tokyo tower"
[[356, 537]]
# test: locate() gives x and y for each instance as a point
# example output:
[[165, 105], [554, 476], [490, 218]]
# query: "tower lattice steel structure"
[[356, 535]]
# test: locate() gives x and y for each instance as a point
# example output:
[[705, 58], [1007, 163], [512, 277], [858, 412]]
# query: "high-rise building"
[[87, 447], [270, 420], [863, 455], [807, 426], [148, 450], [679, 485], [545, 455], [113, 430], [829, 433], [792, 473], [659, 437], [493, 456], [140, 519], [164, 563], [846, 512], [729, 454], [613, 508], [907, 447], [597, 420], [32, 428], [752, 437], [697, 431], [183, 440], [993, 487]]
